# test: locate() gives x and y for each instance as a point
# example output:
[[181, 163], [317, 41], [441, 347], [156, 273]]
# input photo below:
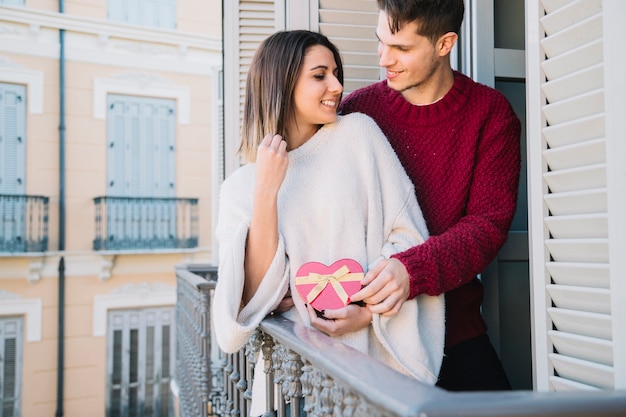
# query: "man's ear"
[[446, 42]]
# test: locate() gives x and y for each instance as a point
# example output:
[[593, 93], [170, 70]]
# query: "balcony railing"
[[135, 223], [306, 370], [23, 223]]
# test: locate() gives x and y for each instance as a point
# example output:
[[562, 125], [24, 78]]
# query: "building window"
[[141, 146], [12, 138], [141, 210], [23, 219], [154, 13], [140, 362], [12, 2], [11, 339]]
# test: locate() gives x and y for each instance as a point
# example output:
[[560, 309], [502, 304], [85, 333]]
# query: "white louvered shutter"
[[12, 138], [141, 137], [573, 292], [218, 150], [140, 361], [164, 13], [246, 25], [351, 26], [11, 359], [12, 163], [154, 13]]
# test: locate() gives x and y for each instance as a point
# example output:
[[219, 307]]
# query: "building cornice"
[[104, 29]]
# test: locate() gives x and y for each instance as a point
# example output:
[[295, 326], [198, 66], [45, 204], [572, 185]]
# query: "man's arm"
[[454, 257]]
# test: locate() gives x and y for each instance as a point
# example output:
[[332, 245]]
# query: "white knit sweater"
[[345, 195]]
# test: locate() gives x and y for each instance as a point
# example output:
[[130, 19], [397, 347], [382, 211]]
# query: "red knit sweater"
[[463, 155]]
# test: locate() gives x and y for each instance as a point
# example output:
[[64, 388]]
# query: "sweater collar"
[[314, 142], [438, 111]]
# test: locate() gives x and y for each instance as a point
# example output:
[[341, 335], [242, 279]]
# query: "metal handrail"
[[396, 394], [131, 223], [23, 223], [307, 370]]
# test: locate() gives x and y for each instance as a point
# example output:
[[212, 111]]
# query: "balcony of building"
[[23, 223], [138, 223], [308, 373]]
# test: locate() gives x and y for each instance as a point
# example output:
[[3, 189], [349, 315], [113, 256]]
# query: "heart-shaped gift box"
[[329, 287]]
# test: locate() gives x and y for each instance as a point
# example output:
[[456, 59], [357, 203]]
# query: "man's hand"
[[386, 287], [341, 321]]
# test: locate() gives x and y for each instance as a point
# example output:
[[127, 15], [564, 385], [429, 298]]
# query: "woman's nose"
[[335, 85]]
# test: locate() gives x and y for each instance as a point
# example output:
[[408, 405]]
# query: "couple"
[[322, 187]]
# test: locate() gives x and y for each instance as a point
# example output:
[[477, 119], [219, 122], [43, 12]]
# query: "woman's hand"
[[271, 164], [341, 321]]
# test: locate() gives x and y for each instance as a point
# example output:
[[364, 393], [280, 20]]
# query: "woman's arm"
[[271, 168]]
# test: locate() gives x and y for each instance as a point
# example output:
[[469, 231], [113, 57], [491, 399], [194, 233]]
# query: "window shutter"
[[217, 117], [155, 13], [12, 138], [246, 24], [257, 22], [140, 361], [116, 146], [12, 2], [165, 14], [117, 10], [351, 26], [218, 149], [578, 299], [148, 13], [141, 147], [165, 123], [11, 339]]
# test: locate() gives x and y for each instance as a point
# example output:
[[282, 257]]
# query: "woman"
[[318, 188]]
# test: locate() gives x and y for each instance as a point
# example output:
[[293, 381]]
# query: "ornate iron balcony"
[[135, 223], [23, 223], [306, 370]]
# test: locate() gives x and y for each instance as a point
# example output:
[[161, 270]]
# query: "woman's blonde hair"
[[269, 102]]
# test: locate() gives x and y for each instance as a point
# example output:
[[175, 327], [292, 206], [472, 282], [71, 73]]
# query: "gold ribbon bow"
[[342, 274]]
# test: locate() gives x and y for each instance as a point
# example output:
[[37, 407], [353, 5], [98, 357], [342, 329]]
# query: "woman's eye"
[[319, 76]]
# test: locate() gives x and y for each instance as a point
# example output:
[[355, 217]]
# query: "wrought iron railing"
[[23, 223], [307, 371], [194, 354], [135, 223]]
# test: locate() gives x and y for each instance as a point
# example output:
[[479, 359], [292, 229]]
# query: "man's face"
[[409, 59]]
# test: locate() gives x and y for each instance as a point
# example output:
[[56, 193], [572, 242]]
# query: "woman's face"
[[316, 95]]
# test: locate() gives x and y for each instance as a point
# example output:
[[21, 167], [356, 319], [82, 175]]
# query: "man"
[[459, 143]]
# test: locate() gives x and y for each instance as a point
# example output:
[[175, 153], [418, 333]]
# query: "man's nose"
[[384, 55]]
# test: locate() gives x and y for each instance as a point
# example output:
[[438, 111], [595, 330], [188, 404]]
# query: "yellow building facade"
[[109, 165]]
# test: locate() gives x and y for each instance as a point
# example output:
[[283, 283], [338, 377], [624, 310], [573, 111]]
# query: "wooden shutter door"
[[140, 361], [117, 10], [574, 320], [141, 137], [12, 138], [11, 339], [246, 25], [13, 165], [351, 26], [118, 147]]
